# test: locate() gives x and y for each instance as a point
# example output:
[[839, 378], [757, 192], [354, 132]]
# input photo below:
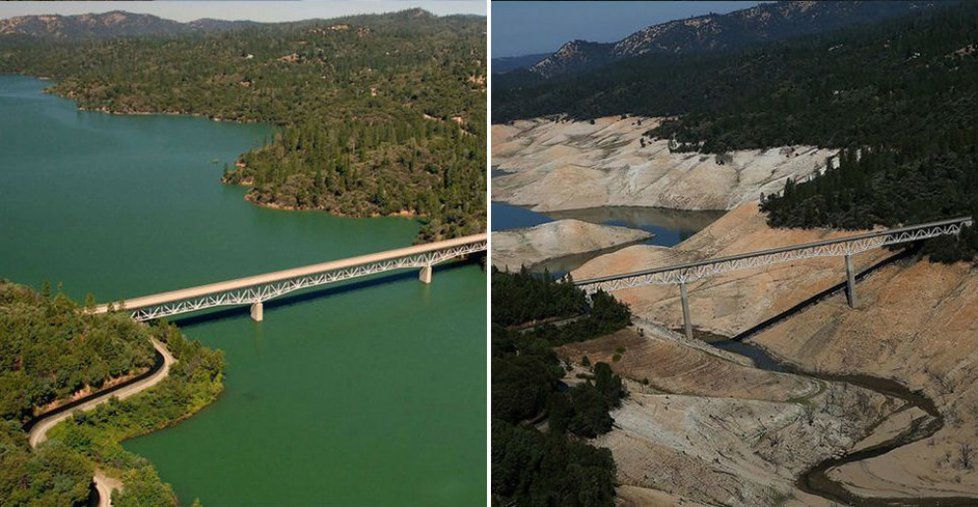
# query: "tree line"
[[554, 466]]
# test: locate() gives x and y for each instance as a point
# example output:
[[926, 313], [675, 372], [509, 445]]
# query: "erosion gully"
[[816, 480]]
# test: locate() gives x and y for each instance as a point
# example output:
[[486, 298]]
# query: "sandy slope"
[[518, 247], [572, 165], [918, 324], [710, 430], [735, 301], [105, 486]]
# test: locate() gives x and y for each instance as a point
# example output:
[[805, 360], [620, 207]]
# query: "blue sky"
[[253, 10], [522, 28]]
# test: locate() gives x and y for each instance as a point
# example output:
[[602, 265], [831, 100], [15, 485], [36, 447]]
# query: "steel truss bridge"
[[254, 290], [682, 274]]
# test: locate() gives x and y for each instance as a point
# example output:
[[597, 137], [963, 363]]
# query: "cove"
[[668, 227], [369, 393]]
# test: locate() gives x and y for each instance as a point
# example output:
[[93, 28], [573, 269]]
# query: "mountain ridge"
[[711, 32], [116, 23], [119, 23]]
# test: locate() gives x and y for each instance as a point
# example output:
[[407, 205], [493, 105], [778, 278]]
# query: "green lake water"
[[367, 393]]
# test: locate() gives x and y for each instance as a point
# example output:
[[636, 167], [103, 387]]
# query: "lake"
[[668, 227], [371, 392]]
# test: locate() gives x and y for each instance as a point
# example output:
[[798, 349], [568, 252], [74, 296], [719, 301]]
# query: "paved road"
[[103, 483]]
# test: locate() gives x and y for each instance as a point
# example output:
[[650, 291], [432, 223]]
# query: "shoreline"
[[248, 184], [115, 112], [270, 205]]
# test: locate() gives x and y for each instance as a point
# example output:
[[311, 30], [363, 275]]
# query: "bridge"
[[682, 274], [255, 290]]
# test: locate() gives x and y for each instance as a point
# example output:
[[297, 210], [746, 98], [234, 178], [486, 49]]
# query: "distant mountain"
[[510, 63], [108, 25], [217, 25], [764, 22]]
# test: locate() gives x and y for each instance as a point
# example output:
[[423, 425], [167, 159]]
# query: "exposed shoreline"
[[777, 290], [552, 165], [531, 246], [816, 479]]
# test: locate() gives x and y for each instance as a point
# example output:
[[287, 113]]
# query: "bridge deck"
[[286, 274]]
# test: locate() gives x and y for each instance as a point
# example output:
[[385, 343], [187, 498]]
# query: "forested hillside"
[[379, 114], [900, 93], [48, 350], [51, 350], [553, 466]]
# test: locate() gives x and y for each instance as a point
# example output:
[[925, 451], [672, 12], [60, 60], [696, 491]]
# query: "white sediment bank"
[[526, 247], [571, 165]]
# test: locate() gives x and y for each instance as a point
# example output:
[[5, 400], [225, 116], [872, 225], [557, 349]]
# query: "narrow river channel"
[[816, 480], [370, 393]]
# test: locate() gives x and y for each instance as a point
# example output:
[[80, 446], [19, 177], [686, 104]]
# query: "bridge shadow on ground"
[[320, 292]]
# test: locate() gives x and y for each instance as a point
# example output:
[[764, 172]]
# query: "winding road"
[[39, 430]]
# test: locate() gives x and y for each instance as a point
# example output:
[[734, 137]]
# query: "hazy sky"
[[523, 28], [283, 10]]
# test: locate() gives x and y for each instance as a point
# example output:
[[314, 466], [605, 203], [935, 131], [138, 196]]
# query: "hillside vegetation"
[[899, 96], [767, 21], [49, 350], [554, 466], [378, 114]]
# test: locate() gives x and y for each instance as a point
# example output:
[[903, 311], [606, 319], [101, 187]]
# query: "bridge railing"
[[257, 289]]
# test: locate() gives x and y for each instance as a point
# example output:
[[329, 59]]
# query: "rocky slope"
[[733, 302], [504, 64], [764, 22], [559, 165], [525, 247]]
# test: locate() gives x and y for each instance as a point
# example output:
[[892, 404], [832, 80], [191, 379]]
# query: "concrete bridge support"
[[425, 274], [687, 323], [256, 311], [850, 282]]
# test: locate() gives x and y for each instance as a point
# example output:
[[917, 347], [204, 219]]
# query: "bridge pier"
[[850, 282], [256, 311], [425, 274], [687, 323]]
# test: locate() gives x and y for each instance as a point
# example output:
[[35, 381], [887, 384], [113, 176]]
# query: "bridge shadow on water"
[[312, 293]]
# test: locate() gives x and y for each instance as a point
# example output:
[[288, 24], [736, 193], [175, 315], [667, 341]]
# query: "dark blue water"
[[668, 227], [506, 216]]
